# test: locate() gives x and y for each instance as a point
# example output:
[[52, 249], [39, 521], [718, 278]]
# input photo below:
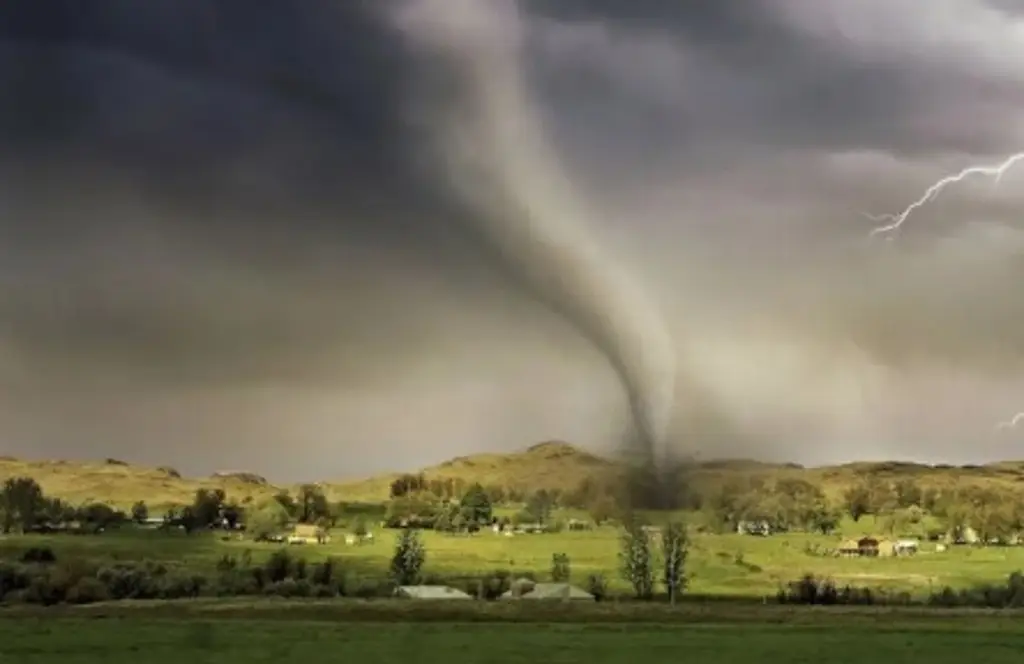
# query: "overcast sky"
[[227, 240]]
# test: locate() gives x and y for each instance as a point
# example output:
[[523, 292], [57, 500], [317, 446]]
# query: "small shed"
[[526, 589], [430, 592]]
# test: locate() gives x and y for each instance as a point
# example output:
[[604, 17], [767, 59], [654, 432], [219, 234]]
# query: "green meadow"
[[269, 631], [733, 565]]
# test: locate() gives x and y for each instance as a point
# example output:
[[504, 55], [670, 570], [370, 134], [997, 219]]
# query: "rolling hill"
[[550, 465]]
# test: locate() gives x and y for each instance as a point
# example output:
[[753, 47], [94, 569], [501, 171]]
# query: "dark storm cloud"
[[759, 72], [202, 200]]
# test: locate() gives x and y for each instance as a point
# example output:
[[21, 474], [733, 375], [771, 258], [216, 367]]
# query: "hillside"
[[550, 465], [122, 484]]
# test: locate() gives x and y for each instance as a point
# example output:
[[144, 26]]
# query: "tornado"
[[491, 141]]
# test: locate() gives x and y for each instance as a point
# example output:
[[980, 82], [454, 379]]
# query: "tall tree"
[[408, 559], [22, 504], [312, 504], [636, 561], [476, 505], [675, 547]]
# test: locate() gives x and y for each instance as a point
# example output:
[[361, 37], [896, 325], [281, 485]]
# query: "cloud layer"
[[223, 239]]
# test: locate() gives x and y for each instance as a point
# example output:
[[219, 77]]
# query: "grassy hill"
[[550, 465]]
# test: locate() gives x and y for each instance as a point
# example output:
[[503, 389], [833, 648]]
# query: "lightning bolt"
[[895, 221], [1010, 423]]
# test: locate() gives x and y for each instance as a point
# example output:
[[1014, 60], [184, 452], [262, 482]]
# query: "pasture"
[[732, 565], [280, 631]]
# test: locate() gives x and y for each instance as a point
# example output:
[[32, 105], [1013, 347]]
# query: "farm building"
[[430, 592], [757, 528], [867, 547], [870, 547], [305, 533], [527, 589]]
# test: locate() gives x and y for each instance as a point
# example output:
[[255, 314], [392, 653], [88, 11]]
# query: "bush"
[[809, 590], [86, 591], [278, 567], [597, 586], [494, 585], [39, 554], [1008, 595]]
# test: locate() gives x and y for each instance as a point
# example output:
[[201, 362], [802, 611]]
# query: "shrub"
[[278, 567], [597, 586], [86, 591], [39, 554]]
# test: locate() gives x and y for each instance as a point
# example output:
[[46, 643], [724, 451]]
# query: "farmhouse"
[[758, 528], [305, 533], [868, 547], [430, 592]]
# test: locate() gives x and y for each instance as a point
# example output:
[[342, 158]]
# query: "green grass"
[[211, 633], [718, 564]]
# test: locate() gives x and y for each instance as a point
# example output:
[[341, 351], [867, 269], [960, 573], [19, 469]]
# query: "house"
[[527, 589], [306, 533], [757, 528], [864, 547], [430, 592], [577, 525]]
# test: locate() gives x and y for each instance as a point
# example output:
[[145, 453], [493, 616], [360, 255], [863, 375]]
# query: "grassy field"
[[718, 564], [266, 631]]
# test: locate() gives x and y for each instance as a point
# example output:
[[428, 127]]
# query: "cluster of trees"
[[472, 511], [901, 506], [25, 508]]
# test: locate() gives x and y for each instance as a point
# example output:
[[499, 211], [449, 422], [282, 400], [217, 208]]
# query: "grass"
[[731, 565], [551, 465], [266, 631]]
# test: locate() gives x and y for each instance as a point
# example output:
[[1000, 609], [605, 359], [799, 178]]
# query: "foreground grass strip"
[[374, 611], [134, 639]]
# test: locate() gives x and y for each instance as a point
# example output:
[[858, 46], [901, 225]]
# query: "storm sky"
[[226, 240]]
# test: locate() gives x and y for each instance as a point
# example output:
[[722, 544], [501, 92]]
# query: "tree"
[[823, 519], [908, 494], [312, 505], [56, 510], [140, 512], [232, 514], [267, 519], [287, 502], [458, 522], [857, 501], [21, 504], [443, 523], [635, 558], [560, 568], [603, 509], [675, 547], [539, 506], [407, 484], [205, 510], [359, 528], [100, 515], [408, 559], [476, 505]]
